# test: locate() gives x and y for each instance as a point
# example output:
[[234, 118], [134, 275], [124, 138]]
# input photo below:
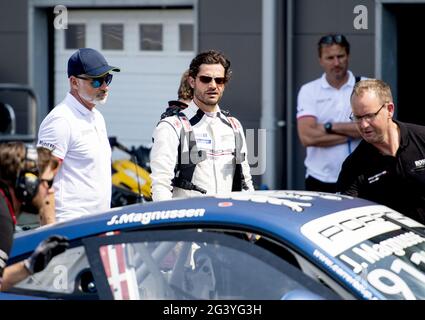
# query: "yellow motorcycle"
[[131, 182]]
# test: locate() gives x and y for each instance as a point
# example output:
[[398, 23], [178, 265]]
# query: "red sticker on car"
[[225, 204]]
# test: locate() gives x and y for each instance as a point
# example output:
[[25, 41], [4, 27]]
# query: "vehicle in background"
[[131, 182], [8, 126]]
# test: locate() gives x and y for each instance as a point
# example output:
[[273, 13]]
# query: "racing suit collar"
[[193, 110]]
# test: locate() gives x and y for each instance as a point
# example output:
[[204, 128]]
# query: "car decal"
[[392, 263], [356, 283], [147, 217], [339, 231], [121, 278], [382, 248], [293, 205], [225, 204]]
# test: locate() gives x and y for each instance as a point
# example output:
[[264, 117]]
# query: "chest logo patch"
[[420, 163], [376, 177]]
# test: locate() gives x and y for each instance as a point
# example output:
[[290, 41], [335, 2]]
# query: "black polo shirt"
[[397, 182]]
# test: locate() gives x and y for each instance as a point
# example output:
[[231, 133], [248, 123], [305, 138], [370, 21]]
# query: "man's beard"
[[103, 101], [95, 100], [203, 97]]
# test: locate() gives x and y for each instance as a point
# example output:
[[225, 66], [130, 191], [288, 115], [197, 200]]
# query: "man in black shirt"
[[388, 166]]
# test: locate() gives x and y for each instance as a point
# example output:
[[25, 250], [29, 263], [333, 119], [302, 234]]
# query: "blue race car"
[[260, 245]]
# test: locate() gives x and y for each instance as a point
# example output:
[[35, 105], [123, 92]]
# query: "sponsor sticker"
[[46, 145], [203, 141], [225, 204], [360, 286], [147, 217], [337, 232]]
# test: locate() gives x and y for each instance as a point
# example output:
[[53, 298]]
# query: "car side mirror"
[[85, 282]]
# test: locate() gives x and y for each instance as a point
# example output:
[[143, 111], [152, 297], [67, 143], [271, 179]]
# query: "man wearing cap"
[[75, 131]]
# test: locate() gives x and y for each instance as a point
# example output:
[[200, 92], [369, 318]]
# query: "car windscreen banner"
[[383, 248]]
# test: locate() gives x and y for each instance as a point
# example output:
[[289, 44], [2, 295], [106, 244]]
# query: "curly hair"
[[210, 57], [12, 161], [185, 91], [45, 159]]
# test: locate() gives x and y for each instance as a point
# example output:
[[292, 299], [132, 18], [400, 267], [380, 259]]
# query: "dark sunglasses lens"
[[331, 39], [326, 40], [205, 79], [97, 82], [108, 79]]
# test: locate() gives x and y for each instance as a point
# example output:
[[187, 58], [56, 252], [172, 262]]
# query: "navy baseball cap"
[[89, 62]]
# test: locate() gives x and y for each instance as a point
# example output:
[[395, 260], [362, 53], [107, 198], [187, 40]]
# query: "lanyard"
[[349, 145]]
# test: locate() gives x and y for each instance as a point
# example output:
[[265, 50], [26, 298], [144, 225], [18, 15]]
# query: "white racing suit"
[[215, 154]]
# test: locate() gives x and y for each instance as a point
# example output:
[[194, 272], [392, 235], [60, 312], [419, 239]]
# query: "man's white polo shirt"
[[78, 136], [327, 104]]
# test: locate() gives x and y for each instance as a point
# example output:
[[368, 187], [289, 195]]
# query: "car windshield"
[[385, 249]]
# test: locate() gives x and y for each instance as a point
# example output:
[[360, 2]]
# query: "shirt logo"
[[204, 141], [376, 177], [323, 100], [46, 145], [420, 163]]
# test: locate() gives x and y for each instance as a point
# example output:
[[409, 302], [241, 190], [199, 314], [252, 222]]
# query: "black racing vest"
[[187, 161], [358, 78]]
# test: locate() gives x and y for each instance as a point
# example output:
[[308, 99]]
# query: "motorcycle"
[[131, 182]]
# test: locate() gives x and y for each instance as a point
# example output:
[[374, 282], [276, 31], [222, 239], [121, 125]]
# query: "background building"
[[271, 43]]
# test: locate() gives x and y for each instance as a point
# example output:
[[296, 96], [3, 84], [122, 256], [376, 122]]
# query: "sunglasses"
[[48, 181], [97, 82], [332, 38], [206, 79], [369, 117]]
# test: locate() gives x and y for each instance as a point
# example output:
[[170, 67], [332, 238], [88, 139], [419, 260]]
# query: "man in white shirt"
[[75, 131], [323, 116], [200, 149]]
